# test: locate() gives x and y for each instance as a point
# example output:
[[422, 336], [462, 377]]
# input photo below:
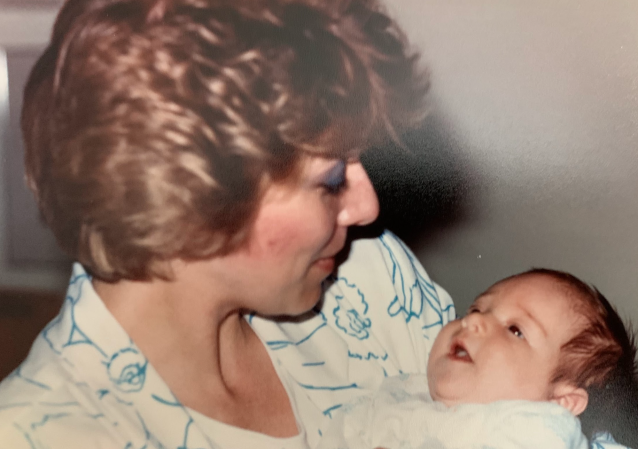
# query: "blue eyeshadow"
[[335, 178]]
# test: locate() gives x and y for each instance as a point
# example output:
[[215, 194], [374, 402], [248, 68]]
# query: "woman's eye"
[[335, 180], [335, 189], [516, 331]]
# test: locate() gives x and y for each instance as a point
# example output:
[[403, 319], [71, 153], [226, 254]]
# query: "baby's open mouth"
[[458, 352]]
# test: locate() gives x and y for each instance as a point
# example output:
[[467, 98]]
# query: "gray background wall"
[[27, 251], [540, 100], [528, 157]]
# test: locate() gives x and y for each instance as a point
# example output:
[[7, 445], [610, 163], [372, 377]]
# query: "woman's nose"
[[359, 203]]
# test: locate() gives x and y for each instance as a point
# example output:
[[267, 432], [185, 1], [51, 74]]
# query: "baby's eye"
[[473, 310], [516, 331]]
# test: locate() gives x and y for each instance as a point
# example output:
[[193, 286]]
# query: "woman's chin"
[[306, 305]]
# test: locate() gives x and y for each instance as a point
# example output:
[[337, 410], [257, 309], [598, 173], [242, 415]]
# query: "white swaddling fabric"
[[402, 415]]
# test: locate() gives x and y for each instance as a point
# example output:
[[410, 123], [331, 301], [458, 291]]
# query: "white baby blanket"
[[402, 415]]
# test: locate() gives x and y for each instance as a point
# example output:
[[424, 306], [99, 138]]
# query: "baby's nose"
[[475, 322]]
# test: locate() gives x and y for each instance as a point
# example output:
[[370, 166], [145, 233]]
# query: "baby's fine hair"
[[601, 358]]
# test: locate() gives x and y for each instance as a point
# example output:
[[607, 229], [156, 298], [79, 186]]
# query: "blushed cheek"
[[279, 237], [435, 353], [444, 338], [286, 235], [289, 229]]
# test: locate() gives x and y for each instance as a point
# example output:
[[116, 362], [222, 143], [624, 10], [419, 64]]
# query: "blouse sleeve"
[[385, 305]]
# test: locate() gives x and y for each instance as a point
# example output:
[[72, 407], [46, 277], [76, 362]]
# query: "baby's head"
[[542, 335]]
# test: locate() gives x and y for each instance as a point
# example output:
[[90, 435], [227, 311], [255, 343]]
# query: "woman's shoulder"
[[86, 384], [42, 406]]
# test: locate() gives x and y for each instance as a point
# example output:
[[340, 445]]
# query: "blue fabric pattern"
[[85, 384]]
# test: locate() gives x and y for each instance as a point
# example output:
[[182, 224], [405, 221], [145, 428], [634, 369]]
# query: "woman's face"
[[298, 230]]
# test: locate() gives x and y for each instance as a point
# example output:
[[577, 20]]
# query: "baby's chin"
[[454, 399], [445, 400], [445, 394]]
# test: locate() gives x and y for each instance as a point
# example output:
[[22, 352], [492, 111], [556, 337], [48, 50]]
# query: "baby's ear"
[[572, 398]]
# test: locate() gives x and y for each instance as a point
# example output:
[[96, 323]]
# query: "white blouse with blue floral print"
[[86, 385]]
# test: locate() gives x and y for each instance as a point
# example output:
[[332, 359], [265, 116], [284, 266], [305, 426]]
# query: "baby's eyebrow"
[[532, 318], [478, 301], [476, 304]]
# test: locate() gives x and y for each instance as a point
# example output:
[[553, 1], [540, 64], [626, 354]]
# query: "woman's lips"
[[326, 264]]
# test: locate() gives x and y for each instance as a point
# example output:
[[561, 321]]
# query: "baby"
[[533, 351]]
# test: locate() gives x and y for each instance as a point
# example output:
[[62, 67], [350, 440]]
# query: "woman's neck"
[[204, 350], [184, 332]]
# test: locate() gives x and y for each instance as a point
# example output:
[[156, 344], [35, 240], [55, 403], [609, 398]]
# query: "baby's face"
[[507, 347]]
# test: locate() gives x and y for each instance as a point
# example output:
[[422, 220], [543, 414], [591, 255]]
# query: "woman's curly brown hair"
[[151, 126]]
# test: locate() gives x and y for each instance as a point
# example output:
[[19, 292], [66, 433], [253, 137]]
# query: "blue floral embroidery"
[[127, 370], [416, 295], [276, 345], [352, 320]]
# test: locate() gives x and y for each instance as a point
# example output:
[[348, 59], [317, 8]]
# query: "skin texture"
[[507, 347], [193, 330]]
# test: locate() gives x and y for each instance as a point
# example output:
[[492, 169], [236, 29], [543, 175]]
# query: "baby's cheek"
[[437, 355], [443, 338]]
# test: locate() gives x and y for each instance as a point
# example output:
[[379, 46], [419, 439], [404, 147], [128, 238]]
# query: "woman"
[[199, 159]]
